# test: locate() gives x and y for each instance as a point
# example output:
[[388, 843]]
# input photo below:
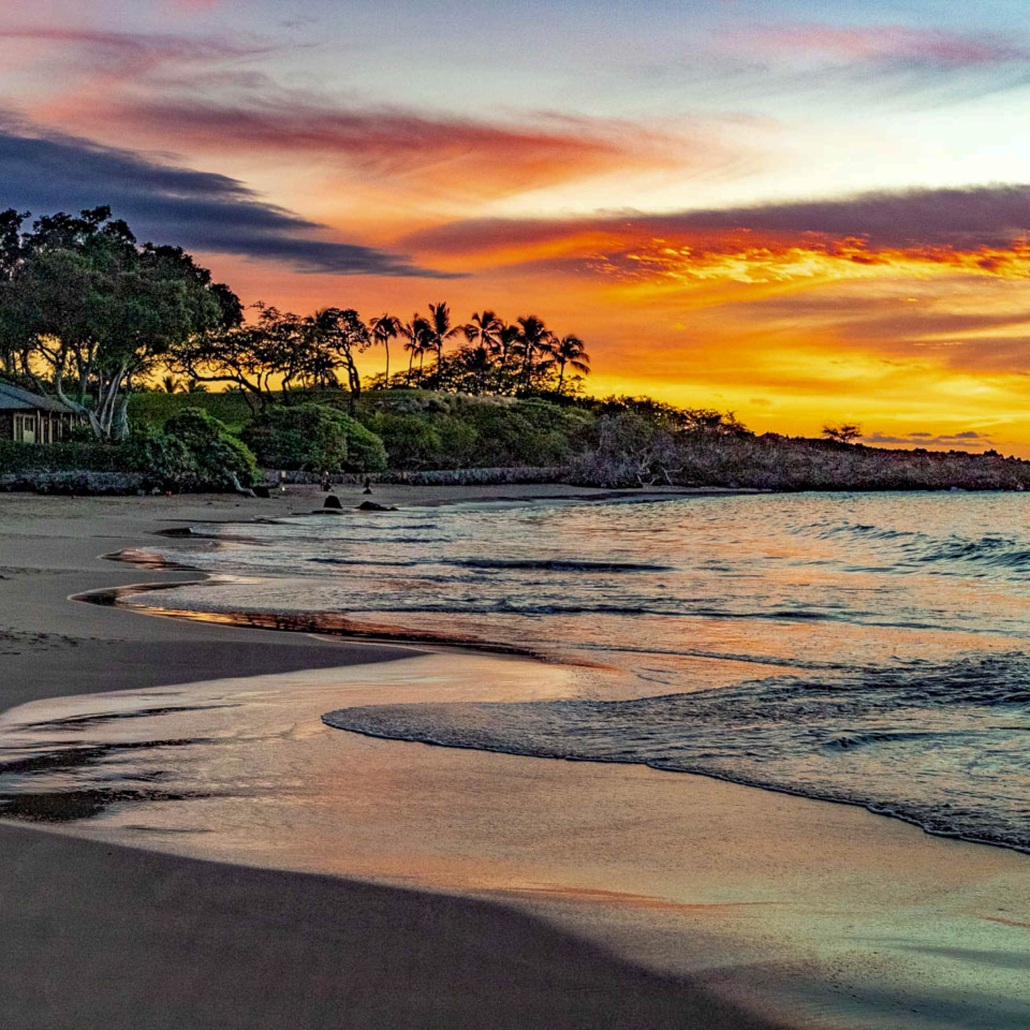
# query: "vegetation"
[[62, 457], [192, 451], [85, 311], [842, 432], [91, 317], [314, 437], [215, 453]]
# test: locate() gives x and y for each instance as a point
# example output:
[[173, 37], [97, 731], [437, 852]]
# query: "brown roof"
[[13, 398]]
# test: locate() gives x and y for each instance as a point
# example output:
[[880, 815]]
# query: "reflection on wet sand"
[[806, 903]]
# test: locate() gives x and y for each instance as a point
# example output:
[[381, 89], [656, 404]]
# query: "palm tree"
[[569, 350], [416, 333], [485, 328], [385, 328], [507, 346], [440, 328], [535, 339]]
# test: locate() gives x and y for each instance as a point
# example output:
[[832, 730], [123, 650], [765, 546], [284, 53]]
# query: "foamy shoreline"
[[667, 872]]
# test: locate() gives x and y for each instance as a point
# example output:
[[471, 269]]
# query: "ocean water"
[[868, 649]]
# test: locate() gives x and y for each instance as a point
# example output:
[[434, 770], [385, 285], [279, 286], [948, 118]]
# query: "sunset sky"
[[802, 212]]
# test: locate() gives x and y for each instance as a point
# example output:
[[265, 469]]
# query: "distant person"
[[368, 486], [326, 483]]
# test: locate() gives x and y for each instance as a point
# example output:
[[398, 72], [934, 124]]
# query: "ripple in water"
[[903, 618], [879, 737]]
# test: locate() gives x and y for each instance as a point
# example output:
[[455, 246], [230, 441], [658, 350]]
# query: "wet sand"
[[550, 894], [95, 934]]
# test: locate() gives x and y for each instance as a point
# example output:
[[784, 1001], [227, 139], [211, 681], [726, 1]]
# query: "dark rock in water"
[[333, 502], [372, 506], [262, 491]]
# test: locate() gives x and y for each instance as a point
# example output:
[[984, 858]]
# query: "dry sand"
[[559, 894]]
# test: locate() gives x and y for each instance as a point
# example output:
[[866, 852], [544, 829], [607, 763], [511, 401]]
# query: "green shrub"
[[365, 450], [314, 437], [460, 443], [425, 429], [411, 441], [163, 460], [61, 457], [216, 454]]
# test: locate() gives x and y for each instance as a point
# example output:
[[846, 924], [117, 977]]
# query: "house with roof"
[[31, 418]]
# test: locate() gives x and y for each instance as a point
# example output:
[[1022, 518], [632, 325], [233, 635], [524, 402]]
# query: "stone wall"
[[435, 477], [82, 483]]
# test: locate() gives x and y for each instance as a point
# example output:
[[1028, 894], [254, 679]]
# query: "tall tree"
[[416, 333], [317, 361], [85, 310], [484, 329], [348, 337], [535, 339], [256, 356], [385, 328], [570, 351], [440, 329], [483, 332]]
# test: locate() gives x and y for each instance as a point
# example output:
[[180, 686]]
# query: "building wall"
[[33, 426]]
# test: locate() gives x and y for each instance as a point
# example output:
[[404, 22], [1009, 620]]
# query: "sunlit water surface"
[[861, 648]]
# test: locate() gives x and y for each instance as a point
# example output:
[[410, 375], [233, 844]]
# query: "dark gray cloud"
[[46, 172], [960, 218], [966, 440], [970, 216]]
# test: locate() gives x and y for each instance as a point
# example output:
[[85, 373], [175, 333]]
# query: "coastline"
[[156, 909], [96, 934]]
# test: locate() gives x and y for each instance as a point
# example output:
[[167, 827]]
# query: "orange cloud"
[[979, 231], [447, 155], [815, 259]]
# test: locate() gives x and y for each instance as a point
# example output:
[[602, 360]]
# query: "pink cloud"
[[891, 43], [446, 154], [130, 55]]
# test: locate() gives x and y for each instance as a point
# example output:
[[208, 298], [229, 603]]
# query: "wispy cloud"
[[824, 65], [45, 171], [218, 96], [889, 43], [977, 230], [404, 148], [122, 54]]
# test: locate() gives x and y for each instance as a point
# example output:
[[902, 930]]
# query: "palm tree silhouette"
[[440, 328], [485, 328], [535, 339], [385, 328], [570, 351], [508, 346], [416, 333]]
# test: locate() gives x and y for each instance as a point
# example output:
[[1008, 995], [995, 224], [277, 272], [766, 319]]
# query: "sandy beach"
[[442, 887]]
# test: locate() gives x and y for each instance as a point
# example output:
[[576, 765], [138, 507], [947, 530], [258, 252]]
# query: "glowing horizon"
[[800, 215]]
